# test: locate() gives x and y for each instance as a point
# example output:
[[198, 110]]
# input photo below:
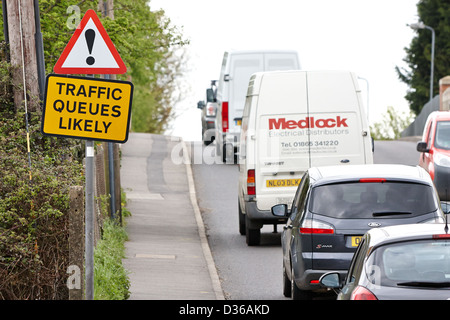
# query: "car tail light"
[[251, 189], [310, 226], [225, 116], [369, 180], [361, 293], [441, 236]]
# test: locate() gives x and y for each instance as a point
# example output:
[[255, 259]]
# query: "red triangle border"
[[90, 14]]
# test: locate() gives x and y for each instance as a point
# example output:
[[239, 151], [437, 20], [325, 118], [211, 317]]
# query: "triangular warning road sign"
[[90, 50]]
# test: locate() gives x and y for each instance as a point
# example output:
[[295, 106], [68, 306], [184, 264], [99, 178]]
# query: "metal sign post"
[[89, 220]]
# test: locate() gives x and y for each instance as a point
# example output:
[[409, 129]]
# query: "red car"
[[435, 151]]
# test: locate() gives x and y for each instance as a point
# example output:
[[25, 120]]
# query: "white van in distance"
[[292, 121], [237, 68]]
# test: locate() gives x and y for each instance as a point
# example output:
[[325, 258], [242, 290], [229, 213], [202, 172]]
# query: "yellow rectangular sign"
[[87, 108]]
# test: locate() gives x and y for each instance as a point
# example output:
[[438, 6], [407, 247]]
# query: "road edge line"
[[217, 287]]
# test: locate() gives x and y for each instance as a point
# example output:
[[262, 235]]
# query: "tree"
[[436, 14], [392, 125]]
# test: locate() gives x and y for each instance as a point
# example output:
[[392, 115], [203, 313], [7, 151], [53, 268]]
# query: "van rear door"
[[336, 119], [282, 99], [242, 66], [281, 61]]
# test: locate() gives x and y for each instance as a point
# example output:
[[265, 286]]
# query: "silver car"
[[407, 262]]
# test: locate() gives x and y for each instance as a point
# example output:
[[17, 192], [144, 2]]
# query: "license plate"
[[356, 241], [282, 183]]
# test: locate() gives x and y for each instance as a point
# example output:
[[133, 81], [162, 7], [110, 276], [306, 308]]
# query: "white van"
[[237, 68], [292, 121]]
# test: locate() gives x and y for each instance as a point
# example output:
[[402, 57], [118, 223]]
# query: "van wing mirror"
[[422, 147], [280, 210], [201, 104], [210, 95]]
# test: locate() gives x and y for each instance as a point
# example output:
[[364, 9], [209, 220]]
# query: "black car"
[[335, 206], [407, 262]]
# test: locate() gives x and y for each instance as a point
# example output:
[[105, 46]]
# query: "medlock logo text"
[[307, 123]]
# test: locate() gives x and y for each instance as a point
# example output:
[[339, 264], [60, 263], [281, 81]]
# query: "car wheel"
[[286, 284], [252, 236], [241, 221], [296, 293]]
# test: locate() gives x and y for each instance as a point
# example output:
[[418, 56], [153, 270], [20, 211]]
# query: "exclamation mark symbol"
[[90, 36]]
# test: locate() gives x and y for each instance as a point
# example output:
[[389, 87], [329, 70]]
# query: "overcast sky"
[[367, 37]]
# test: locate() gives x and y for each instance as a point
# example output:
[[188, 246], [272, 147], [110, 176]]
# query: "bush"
[[34, 202]]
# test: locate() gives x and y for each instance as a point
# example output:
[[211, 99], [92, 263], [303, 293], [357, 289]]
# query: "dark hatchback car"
[[335, 206], [407, 262]]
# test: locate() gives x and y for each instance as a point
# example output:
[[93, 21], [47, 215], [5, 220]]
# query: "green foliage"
[[33, 213], [392, 125], [145, 41], [33, 205], [436, 14], [110, 278]]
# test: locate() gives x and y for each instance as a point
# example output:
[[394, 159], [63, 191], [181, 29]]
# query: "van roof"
[[257, 77], [327, 174], [260, 51]]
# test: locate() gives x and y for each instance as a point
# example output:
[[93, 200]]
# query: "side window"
[[300, 197]]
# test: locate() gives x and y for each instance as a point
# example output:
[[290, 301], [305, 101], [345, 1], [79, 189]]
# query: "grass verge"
[[110, 277]]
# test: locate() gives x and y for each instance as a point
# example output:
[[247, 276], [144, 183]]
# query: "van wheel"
[[252, 236], [228, 155], [242, 229], [224, 153]]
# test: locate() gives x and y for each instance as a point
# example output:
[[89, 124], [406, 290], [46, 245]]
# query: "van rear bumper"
[[258, 218]]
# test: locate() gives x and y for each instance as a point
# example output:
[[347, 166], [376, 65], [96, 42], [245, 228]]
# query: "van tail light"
[[251, 189], [310, 226], [361, 293], [225, 116]]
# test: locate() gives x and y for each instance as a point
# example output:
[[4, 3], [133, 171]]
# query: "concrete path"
[[167, 254]]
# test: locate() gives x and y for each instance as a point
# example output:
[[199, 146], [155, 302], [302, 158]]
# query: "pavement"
[[167, 254]]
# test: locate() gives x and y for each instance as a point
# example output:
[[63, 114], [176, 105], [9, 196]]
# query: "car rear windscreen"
[[371, 200], [424, 263]]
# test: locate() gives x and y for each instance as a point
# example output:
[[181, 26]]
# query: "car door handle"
[[288, 227]]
